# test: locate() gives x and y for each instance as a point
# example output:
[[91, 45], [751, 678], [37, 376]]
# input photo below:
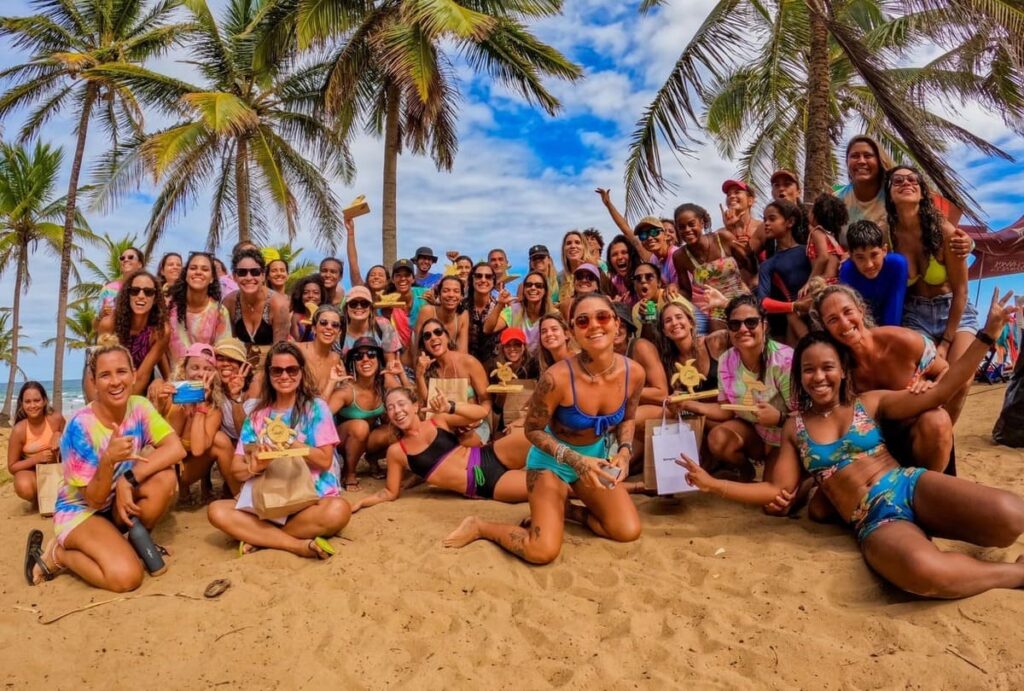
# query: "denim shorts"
[[930, 315]]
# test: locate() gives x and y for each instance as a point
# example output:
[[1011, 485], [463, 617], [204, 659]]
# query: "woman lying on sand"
[[894, 510]]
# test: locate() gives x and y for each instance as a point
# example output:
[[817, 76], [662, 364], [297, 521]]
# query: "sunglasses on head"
[[137, 290], [126, 257], [533, 284], [584, 277], [487, 277], [254, 272], [327, 323], [291, 371], [901, 178], [645, 233], [364, 355], [644, 277], [358, 304], [601, 317], [750, 322], [435, 333]]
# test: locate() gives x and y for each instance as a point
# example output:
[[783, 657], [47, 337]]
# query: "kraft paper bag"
[[453, 388], [515, 404], [664, 441], [48, 479], [285, 488]]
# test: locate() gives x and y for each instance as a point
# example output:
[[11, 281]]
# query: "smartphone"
[[614, 471], [186, 392]]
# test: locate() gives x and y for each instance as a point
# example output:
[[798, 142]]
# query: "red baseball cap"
[[512, 333], [729, 184]]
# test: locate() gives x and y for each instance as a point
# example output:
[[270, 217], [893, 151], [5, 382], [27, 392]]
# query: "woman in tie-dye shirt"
[[196, 315], [107, 482], [289, 395]]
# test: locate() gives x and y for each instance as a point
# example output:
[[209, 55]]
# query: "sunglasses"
[[899, 179], [139, 290], [533, 284], [750, 322], [644, 277], [601, 317], [327, 323], [254, 272], [643, 235], [128, 257], [364, 355], [359, 304], [291, 371], [584, 277], [486, 277], [435, 333]]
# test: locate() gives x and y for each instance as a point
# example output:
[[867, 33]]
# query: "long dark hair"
[[304, 395], [378, 379], [751, 301], [928, 216], [634, 257], [883, 160], [791, 212], [422, 341], [459, 308], [801, 399], [470, 300], [123, 307], [19, 411], [160, 267], [298, 306], [668, 351], [543, 355], [545, 301], [179, 291]]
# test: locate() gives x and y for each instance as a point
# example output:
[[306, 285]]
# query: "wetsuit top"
[[424, 462], [824, 460], [571, 417]]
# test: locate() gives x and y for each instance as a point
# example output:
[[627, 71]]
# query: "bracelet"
[[627, 445], [984, 338], [129, 475], [560, 453], [451, 407]]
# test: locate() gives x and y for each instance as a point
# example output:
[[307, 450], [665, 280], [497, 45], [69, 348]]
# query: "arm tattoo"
[[517, 542]]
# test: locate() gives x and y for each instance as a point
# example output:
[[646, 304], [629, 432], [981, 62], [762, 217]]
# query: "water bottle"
[[144, 546]]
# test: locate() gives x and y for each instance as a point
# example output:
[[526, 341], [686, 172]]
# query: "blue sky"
[[521, 177]]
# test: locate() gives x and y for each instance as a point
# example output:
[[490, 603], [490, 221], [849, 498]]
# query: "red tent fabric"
[[999, 253]]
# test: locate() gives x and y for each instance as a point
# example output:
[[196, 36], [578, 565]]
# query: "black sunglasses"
[[435, 333], [364, 355], [358, 304], [136, 290], [126, 257], [489, 277], [750, 322], [533, 284], [291, 371], [254, 272], [328, 323], [584, 277]]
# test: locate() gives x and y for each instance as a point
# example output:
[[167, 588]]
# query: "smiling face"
[[514, 351], [552, 335], [198, 367], [114, 376], [199, 273], [669, 231], [172, 268], [377, 279], [140, 302], [775, 224], [618, 256], [843, 318], [572, 248], [365, 363], [750, 334], [450, 294], [464, 267], [675, 323], [402, 280], [285, 373], [277, 274], [584, 282], [821, 374], [358, 311], [327, 327], [423, 264], [249, 275], [435, 339], [227, 367], [691, 227], [33, 403], [498, 262], [869, 260], [129, 261], [483, 279], [594, 325], [534, 287], [540, 263], [738, 199], [904, 186], [653, 239], [311, 293], [401, 411], [330, 271], [862, 163]]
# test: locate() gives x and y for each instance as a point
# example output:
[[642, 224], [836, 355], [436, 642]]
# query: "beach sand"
[[713, 594]]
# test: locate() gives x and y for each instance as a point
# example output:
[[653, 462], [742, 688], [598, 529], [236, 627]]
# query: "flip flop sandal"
[[217, 588], [245, 548], [325, 546], [34, 557]]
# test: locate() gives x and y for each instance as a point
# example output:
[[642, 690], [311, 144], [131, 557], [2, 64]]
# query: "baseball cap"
[[403, 264], [364, 343], [783, 173], [424, 252], [651, 221], [231, 348], [512, 333], [203, 350], [539, 251], [358, 292], [625, 315], [729, 184]]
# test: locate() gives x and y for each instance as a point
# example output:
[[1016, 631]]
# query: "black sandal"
[[34, 558]]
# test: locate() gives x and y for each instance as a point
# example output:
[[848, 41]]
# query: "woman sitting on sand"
[[259, 316], [34, 440], [523, 311], [288, 395], [894, 510], [107, 483], [577, 405], [432, 451]]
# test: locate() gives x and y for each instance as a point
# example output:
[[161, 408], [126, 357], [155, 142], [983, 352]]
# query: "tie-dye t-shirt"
[[738, 385], [211, 325], [109, 293], [315, 427], [84, 440]]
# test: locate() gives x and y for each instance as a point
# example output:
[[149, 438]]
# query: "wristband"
[[985, 338], [627, 445], [451, 407], [130, 477], [202, 409]]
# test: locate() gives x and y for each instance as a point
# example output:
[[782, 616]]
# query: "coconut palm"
[[250, 129], [781, 81], [29, 218], [107, 269], [297, 268], [11, 346], [67, 40], [394, 73], [80, 324]]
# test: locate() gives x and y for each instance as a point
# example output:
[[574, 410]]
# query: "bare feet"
[[468, 531]]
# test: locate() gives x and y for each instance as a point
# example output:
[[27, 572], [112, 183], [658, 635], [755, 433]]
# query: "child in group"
[[880, 276], [826, 220], [783, 275]]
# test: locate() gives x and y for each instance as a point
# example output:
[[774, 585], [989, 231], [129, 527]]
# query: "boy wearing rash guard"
[[878, 275]]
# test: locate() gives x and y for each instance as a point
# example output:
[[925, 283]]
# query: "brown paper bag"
[[285, 487], [453, 388], [48, 479], [696, 423], [515, 404]]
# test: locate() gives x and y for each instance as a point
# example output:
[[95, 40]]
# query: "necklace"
[[594, 377], [826, 413]]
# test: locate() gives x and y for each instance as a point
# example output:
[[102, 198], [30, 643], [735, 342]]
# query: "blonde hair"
[[216, 396], [820, 294], [107, 343]]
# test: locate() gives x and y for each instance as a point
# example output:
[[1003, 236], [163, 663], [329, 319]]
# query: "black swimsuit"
[[483, 468], [264, 335]]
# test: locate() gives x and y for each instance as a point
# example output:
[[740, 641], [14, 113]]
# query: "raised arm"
[[620, 222], [355, 275]]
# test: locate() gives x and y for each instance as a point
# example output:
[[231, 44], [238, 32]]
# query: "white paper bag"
[[668, 441]]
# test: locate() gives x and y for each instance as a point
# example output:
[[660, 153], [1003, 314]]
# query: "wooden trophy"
[[358, 207], [311, 308], [688, 376], [281, 436], [390, 301], [748, 403], [505, 375]]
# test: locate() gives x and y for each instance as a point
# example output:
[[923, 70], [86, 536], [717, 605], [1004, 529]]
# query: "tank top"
[[264, 334]]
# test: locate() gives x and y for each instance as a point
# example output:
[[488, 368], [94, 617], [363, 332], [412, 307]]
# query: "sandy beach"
[[713, 595]]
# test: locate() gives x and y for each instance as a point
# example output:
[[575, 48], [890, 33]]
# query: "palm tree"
[[251, 129], [29, 216], [297, 268], [81, 317], [107, 269], [10, 346], [68, 40], [781, 82], [394, 76]]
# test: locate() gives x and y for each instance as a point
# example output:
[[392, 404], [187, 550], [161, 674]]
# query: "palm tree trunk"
[[65, 249], [816, 142], [19, 277], [242, 189], [389, 227]]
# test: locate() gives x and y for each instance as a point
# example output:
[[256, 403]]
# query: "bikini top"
[[934, 275], [424, 462], [34, 443], [571, 417], [863, 438], [264, 334], [353, 411]]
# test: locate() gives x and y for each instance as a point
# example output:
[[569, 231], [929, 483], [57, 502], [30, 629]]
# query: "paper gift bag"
[[285, 487], [664, 441], [48, 479], [515, 404], [453, 388]]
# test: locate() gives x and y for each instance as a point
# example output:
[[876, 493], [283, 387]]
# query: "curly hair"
[[801, 400], [298, 306], [179, 291], [791, 212], [830, 213], [248, 253], [929, 217], [697, 210], [306, 392], [436, 290], [157, 316]]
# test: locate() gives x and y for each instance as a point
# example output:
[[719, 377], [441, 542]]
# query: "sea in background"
[[74, 398]]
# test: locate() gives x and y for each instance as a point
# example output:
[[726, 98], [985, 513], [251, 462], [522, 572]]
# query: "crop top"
[[571, 417]]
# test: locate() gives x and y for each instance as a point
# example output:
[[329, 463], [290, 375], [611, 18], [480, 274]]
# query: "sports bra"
[[424, 462], [264, 334], [863, 438], [34, 443], [571, 417], [934, 275]]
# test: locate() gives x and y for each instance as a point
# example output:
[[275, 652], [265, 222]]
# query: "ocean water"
[[73, 396]]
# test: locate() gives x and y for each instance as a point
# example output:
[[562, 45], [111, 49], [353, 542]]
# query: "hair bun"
[[108, 341]]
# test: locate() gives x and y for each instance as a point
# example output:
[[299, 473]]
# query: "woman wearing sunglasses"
[[647, 288], [586, 280], [359, 321], [523, 311], [754, 372], [555, 338], [651, 234], [307, 290], [480, 303], [438, 361], [321, 353], [448, 309], [578, 404], [130, 261], [196, 313], [358, 401], [287, 395], [575, 251], [259, 315]]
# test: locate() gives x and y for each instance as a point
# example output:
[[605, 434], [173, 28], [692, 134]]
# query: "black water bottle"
[[144, 546]]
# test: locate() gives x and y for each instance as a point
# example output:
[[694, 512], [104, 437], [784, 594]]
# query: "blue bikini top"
[[863, 438], [571, 417]]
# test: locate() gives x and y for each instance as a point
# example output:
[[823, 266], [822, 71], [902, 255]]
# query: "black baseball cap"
[[403, 264], [425, 252], [625, 314], [539, 251]]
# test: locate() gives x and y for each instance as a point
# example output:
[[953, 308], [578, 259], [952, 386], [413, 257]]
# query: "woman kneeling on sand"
[[577, 403], [35, 438], [894, 510], [432, 451], [288, 395], [107, 483]]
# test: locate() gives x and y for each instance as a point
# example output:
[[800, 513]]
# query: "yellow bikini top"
[[934, 275]]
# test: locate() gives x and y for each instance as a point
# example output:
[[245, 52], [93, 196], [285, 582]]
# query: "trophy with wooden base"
[[689, 377], [358, 207], [390, 301], [747, 404], [281, 436], [505, 375]]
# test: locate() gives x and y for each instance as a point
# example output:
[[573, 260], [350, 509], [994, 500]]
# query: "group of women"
[[854, 420]]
